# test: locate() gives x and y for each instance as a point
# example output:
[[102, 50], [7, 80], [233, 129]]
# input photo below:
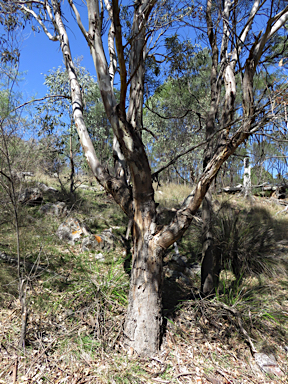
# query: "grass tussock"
[[77, 304]]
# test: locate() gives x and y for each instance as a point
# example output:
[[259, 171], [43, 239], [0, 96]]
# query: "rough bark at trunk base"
[[143, 325]]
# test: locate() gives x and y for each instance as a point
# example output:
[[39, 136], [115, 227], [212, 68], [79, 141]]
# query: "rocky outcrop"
[[71, 230], [103, 241], [91, 242], [31, 196]]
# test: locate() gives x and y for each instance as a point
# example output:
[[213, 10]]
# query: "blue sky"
[[39, 55]]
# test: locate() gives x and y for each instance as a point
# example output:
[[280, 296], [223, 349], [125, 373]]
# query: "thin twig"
[[42, 98], [15, 371]]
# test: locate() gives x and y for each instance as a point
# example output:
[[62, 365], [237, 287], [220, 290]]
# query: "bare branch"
[[172, 117], [155, 174], [79, 21], [37, 17], [42, 98]]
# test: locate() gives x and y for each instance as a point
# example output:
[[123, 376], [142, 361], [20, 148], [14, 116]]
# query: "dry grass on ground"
[[77, 307]]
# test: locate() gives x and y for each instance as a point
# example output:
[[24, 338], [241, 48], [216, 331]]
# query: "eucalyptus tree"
[[232, 31]]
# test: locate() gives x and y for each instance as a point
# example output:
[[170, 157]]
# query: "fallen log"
[[279, 190], [237, 188]]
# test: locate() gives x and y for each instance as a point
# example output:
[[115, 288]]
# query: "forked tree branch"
[[79, 22], [40, 22]]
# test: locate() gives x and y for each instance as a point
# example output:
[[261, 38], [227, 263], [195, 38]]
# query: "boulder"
[[71, 230], [58, 209], [107, 239], [44, 188], [23, 175], [104, 241], [31, 196], [91, 243]]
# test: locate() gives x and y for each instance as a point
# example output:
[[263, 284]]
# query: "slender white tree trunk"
[[247, 178]]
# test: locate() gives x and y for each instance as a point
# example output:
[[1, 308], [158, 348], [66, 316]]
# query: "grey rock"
[[91, 243], [107, 240], [184, 279], [180, 260], [27, 174], [47, 208], [189, 272], [71, 230], [171, 273], [83, 186], [58, 209], [268, 364], [104, 241], [44, 188], [196, 268], [31, 196]]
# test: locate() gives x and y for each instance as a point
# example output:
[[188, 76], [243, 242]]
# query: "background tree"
[[173, 113]]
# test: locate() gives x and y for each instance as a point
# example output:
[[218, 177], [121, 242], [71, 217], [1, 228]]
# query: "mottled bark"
[[72, 167], [136, 62], [247, 178], [144, 315], [104, 73]]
